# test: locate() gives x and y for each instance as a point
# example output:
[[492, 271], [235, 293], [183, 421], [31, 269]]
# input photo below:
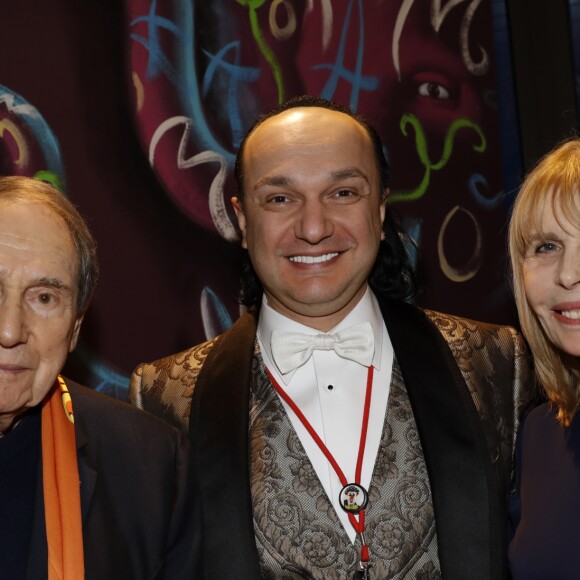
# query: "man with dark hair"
[[338, 431], [89, 486]]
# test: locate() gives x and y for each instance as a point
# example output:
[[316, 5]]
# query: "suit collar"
[[87, 474], [463, 483], [219, 432]]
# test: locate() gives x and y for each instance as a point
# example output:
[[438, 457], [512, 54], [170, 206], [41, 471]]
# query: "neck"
[[7, 422], [321, 317]]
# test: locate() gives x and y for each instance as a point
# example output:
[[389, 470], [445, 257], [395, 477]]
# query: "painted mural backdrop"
[[197, 74], [421, 71]]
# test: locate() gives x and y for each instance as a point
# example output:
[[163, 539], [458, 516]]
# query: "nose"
[[314, 224], [569, 272], [12, 324]]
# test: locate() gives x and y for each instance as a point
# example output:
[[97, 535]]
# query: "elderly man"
[[340, 432], [128, 518]]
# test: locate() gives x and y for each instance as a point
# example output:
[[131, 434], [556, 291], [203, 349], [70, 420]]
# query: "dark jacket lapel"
[[87, 475], [463, 483], [219, 432]]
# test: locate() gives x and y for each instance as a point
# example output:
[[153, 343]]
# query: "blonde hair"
[[28, 190], [554, 180]]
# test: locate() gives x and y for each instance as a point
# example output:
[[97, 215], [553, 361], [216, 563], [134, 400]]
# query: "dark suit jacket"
[[136, 500], [467, 386]]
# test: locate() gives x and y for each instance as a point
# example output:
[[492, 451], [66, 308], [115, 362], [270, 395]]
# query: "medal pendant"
[[353, 498], [363, 574]]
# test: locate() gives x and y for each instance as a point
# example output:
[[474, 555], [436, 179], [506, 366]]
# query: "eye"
[[45, 298], [278, 199], [344, 193], [546, 247], [433, 91]]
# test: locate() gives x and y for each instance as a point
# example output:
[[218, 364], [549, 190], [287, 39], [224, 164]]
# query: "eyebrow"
[[49, 281], [282, 180], [52, 283]]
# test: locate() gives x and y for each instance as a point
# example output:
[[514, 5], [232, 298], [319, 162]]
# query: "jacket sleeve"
[[184, 543]]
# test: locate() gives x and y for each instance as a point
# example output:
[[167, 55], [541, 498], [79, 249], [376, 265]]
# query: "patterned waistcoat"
[[298, 533]]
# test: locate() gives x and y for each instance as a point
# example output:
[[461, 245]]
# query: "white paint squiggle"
[[290, 28], [327, 19], [217, 208], [438, 14]]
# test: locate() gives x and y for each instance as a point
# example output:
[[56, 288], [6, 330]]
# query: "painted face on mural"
[[552, 279], [38, 320], [312, 213], [423, 74]]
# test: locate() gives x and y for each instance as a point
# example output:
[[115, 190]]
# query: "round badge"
[[353, 498]]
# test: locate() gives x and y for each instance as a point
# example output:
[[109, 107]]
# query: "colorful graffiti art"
[[29, 147], [422, 72]]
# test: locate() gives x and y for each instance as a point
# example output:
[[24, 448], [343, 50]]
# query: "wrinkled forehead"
[[37, 226]]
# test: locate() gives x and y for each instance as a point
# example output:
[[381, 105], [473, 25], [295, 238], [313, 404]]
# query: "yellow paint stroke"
[[20, 140], [139, 91]]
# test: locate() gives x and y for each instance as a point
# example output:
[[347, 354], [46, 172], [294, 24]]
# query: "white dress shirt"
[[330, 392]]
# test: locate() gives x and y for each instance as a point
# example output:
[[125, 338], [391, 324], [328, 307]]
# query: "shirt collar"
[[367, 310]]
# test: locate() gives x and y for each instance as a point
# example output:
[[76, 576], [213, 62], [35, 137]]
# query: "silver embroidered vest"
[[298, 534]]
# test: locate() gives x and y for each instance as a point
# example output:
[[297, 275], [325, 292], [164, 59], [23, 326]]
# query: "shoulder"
[[490, 356], [164, 387], [489, 348], [456, 329], [541, 417], [105, 414]]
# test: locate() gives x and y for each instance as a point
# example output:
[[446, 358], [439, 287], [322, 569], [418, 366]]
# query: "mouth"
[[313, 259], [8, 368], [570, 314]]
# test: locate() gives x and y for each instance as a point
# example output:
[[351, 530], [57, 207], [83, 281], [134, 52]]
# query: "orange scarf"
[[62, 500]]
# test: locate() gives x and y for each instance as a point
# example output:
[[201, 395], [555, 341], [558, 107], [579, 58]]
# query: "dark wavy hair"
[[392, 275]]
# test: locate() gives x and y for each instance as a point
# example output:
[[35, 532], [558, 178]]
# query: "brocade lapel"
[[219, 433], [465, 490]]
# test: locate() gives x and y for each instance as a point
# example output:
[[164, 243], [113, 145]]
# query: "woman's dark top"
[[545, 509]]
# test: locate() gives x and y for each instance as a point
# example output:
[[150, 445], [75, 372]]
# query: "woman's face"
[[552, 278]]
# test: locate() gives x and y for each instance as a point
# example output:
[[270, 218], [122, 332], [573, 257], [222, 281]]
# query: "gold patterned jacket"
[[468, 383]]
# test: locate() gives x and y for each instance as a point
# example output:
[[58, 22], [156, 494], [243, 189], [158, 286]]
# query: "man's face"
[[312, 213], [38, 320]]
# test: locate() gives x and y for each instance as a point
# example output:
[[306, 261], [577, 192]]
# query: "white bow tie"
[[292, 349]]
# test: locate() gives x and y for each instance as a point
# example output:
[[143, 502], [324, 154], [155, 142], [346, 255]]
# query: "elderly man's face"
[[38, 320], [312, 213]]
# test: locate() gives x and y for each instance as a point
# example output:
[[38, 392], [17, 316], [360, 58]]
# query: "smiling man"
[[89, 486], [338, 431]]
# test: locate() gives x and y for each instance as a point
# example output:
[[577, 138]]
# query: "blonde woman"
[[544, 243]]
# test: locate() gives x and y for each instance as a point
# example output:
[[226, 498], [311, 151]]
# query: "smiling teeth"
[[574, 314], [313, 259]]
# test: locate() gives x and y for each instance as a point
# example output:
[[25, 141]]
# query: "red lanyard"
[[359, 525]]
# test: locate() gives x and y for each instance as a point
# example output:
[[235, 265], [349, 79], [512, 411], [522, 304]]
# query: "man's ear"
[[241, 219], [75, 333], [383, 207]]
